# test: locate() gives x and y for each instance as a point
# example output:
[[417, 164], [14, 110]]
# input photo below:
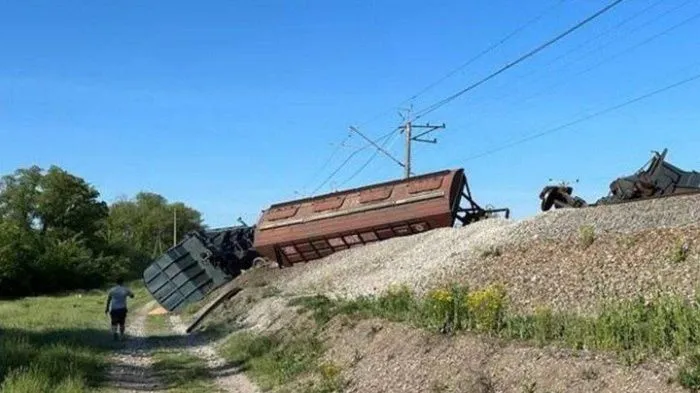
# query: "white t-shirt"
[[118, 295]]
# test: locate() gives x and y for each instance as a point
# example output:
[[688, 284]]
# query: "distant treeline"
[[56, 234]]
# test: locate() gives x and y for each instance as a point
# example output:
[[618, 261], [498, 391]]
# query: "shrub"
[[445, 306], [689, 373], [587, 235], [397, 303], [679, 252], [486, 308]]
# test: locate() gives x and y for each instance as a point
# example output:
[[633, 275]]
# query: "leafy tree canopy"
[[56, 233]]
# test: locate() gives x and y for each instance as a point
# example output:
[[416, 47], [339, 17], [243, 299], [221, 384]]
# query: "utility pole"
[[408, 129], [407, 161], [174, 226]]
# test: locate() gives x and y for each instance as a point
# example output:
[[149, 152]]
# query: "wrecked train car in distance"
[[312, 228], [657, 178]]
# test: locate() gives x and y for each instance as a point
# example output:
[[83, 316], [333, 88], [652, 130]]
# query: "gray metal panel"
[[183, 274]]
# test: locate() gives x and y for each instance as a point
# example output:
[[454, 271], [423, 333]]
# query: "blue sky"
[[231, 106]]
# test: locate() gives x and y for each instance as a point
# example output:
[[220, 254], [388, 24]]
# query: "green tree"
[[53, 201], [147, 222], [18, 196], [55, 233]]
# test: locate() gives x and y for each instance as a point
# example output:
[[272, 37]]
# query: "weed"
[[398, 303], [484, 383], [689, 373], [270, 291], [273, 360], [486, 307], [529, 387], [587, 235], [589, 374], [357, 357], [183, 372], [491, 251], [438, 387], [635, 329], [679, 252], [331, 380], [157, 324]]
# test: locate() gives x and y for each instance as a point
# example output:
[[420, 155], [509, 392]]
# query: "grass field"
[[57, 343]]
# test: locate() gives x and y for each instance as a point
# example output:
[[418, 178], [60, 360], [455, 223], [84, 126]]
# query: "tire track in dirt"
[[228, 378]]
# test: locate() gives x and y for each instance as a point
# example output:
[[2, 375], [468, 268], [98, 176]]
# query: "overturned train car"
[[308, 229], [656, 179], [312, 228]]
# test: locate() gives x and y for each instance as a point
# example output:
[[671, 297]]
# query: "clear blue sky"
[[230, 106]]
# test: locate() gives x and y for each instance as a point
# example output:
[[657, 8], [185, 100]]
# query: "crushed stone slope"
[[446, 254]]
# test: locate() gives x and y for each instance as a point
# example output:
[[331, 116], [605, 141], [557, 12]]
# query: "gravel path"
[[440, 255], [131, 366], [228, 378]]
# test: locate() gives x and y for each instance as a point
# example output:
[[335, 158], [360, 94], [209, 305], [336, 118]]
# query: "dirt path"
[[131, 367], [229, 379]]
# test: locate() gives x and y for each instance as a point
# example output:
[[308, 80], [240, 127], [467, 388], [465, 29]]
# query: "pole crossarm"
[[430, 129]]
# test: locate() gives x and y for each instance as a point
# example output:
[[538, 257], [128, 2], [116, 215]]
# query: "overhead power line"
[[326, 162], [543, 67], [519, 60], [461, 67], [347, 160], [486, 51], [587, 117], [471, 60], [370, 159], [610, 58]]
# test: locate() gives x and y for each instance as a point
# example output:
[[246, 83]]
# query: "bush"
[[689, 373], [447, 307], [587, 234], [486, 308]]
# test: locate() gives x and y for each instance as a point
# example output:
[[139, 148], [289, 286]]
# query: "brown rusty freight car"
[[312, 228]]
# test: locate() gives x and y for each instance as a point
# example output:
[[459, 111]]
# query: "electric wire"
[[611, 57], [470, 61], [487, 50], [587, 117], [326, 162], [347, 160], [461, 67], [617, 26], [522, 58], [370, 159]]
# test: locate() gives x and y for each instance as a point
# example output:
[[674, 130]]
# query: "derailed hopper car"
[[308, 229], [312, 228]]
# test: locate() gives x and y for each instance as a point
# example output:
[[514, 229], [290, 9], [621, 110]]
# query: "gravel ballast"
[[447, 254]]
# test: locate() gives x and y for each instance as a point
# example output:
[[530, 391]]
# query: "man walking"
[[116, 307]]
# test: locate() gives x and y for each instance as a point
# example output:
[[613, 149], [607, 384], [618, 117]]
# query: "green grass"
[[274, 361], [183, 372], [666, 326], [56, 343], [157, 324]]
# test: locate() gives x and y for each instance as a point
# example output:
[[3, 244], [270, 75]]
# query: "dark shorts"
[[118, 316]]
